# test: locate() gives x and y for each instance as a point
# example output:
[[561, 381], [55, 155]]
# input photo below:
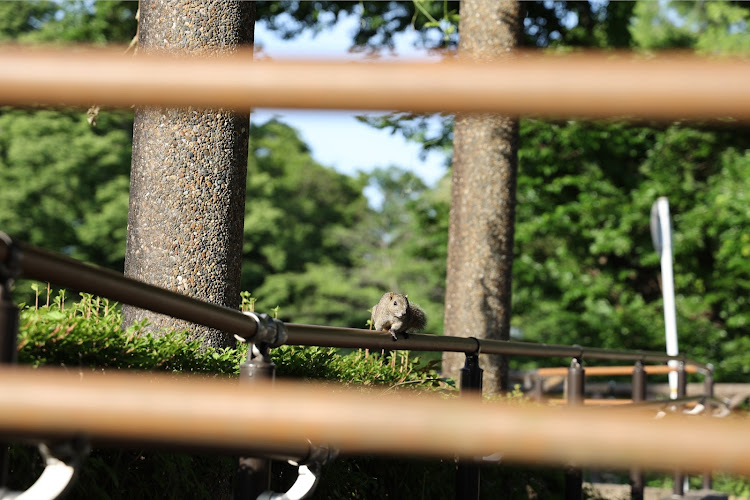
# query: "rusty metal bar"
[[592, 85], [607, 371], [221, 413]]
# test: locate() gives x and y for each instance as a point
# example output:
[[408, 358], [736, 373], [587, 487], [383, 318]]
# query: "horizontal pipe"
[[605, 371], [591, 402], [39, 264], [587, 85], [222, 413], [327, 336], [649, 405]]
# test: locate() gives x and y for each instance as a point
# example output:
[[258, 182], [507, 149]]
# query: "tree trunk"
[[483, 200], [188, 178]]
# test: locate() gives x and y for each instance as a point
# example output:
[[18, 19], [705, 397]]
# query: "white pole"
[[661, 228]]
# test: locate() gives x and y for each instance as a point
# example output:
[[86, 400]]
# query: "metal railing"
[[20, 260], [103, 77]]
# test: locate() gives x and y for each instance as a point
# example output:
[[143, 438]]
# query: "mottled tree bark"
[[188, 178], [483, 200]]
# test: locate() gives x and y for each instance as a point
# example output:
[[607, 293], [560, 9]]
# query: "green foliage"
[[68, 21], [586, 270], [296, 207], [87, 335], [19, 19], [300, 231], [64, 184], [434, 22], [379, 22], [708, 27]]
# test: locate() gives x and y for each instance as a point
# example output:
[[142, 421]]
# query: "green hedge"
[[87, 335]]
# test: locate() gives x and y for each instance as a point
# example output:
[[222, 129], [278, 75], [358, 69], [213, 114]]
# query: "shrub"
[[88, 335]]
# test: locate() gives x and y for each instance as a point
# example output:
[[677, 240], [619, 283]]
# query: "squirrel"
[[394, 313]]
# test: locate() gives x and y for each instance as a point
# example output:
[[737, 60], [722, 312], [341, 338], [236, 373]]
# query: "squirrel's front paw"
[[393, 334]]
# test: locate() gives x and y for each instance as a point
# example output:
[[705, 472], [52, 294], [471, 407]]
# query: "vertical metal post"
[[467, 472], [679, 477], [253, 475], [8, 329], [681, 380], [537, 391], [708, 387], [573, 474], [8, 325], [639, 395]]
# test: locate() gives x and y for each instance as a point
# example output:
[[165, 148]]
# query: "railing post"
[[253, 475], [679, 477], [8, 329], [681, 380], [537, 390], [639, 395], [573, 474], [708, 387], [467, 472]]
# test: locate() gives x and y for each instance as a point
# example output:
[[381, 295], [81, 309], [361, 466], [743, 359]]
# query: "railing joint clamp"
[[478, 350], [269, 331], [578, 357]]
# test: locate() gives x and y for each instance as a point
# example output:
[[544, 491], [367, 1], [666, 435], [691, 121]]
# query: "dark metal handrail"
[[43, 265], [39, 264]]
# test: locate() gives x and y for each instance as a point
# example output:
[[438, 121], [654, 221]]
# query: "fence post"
[[253, 475], [708, 388], [679, 477], [537, 390], [467, 473], [639, 395], [573, 474], [8, 329]]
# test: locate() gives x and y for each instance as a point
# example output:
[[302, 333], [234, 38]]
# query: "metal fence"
[[612, 87], [21, 260]]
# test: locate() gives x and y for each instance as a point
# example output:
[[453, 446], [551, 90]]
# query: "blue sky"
[[336, 138]]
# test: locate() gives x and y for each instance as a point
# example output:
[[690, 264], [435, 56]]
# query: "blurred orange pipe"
[[589, 85], [222, 413], [599, 371]]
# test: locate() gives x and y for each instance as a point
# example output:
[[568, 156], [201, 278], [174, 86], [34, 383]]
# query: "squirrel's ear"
[[406, 296], [391, 296]]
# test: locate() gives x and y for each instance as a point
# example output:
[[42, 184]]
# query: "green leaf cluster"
[[64, 184], [87, 335], [585, 270], [68, 21], [314, 244], [719, 28]]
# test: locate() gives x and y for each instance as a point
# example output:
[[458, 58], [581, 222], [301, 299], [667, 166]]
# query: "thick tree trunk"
[[188, 178], [483, 200]]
